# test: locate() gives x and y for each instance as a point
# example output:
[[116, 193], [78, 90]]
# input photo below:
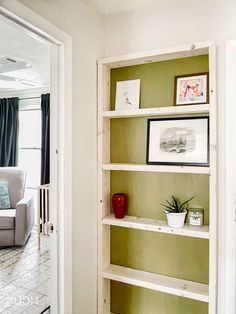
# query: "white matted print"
[[191, 89], [127, 95], [178, 141]]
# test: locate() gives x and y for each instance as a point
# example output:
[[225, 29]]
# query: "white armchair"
[[16, 223]]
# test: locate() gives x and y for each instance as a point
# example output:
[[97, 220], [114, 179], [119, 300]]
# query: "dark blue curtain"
[[45, 157], [9, 128]]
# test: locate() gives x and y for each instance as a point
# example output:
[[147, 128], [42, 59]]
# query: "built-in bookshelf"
[[128, 259]]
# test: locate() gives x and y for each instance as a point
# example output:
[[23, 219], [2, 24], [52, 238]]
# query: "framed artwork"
[[191, 89], [127, 95], [178, 141]]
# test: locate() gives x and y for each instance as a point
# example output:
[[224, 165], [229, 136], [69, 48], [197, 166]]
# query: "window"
[[29, 157]]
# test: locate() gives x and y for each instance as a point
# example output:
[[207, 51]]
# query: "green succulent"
[[175, 206]]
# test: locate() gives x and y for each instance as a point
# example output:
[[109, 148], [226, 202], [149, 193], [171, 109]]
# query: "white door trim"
[[61, 147], [228, 269]]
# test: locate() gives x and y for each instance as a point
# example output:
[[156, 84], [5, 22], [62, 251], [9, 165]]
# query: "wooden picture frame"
[[178, 141], [191, 89]]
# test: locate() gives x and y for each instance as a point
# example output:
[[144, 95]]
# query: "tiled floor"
[[25, 278]]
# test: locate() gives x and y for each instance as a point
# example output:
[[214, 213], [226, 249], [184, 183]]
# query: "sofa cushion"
[[7, 219], [4, 195]]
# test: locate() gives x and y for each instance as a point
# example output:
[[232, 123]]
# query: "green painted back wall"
[[157, 79], [180, 257]]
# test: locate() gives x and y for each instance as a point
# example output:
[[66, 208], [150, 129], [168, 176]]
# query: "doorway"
[[60, 192]]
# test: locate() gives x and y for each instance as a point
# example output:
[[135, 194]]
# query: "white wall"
[[174, 23], [171, 23], [86, 28], [230, 271]]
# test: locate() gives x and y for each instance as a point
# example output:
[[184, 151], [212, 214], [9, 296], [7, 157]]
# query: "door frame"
[[61, 145], [228, 240]]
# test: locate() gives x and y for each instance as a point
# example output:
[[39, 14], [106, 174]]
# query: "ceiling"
[[29, 65], [115, 6]]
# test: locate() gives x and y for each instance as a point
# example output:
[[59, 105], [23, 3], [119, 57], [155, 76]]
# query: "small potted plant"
[[176, 212]]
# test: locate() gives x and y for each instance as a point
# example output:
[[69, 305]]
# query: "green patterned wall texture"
[[181, 257]]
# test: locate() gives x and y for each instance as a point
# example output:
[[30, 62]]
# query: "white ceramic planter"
[[176, 220]]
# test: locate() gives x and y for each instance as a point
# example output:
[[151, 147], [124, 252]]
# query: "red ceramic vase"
[[119, 205]]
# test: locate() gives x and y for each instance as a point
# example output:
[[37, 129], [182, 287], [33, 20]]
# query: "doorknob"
[[50, 227]]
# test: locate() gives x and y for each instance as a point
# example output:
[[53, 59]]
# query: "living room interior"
[[139, 264], [24, 172]]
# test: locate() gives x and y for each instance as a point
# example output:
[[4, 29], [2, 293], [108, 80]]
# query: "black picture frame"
[[177, 163]]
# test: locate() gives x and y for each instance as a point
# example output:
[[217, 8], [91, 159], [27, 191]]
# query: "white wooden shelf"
[[159, 111], [155, 168], [166, 284], [156, 55], [154, 225]]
